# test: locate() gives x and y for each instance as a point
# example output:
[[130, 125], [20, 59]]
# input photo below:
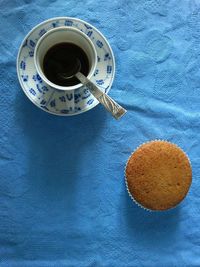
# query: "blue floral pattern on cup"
[[56, 101]]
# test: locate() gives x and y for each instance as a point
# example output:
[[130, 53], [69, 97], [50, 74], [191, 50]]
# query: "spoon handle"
[[114, 108]]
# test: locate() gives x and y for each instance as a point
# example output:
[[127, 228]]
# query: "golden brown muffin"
[[158, 175]]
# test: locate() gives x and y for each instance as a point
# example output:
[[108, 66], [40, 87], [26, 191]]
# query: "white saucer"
[[54, 101]]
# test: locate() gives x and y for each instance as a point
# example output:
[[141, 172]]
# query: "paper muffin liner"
[[126, 182]]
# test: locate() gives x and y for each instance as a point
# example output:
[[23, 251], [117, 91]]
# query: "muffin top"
[[158, 175]]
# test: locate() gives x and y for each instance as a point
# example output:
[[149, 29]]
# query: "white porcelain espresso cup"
[[61, 35]]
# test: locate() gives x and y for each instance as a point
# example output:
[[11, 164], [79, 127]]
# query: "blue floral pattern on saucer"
[[64, 102]]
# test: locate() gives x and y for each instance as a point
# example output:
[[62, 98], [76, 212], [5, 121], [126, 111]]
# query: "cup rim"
[[44, 78]]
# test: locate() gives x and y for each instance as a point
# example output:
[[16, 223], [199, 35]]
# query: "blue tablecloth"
[[63, 200]]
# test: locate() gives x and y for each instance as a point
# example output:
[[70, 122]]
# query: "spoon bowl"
[[114, 108]]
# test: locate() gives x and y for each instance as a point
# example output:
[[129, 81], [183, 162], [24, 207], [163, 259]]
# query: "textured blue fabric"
[[63, 200]]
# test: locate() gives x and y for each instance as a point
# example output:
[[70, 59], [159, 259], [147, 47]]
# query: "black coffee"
[[60, 62]]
